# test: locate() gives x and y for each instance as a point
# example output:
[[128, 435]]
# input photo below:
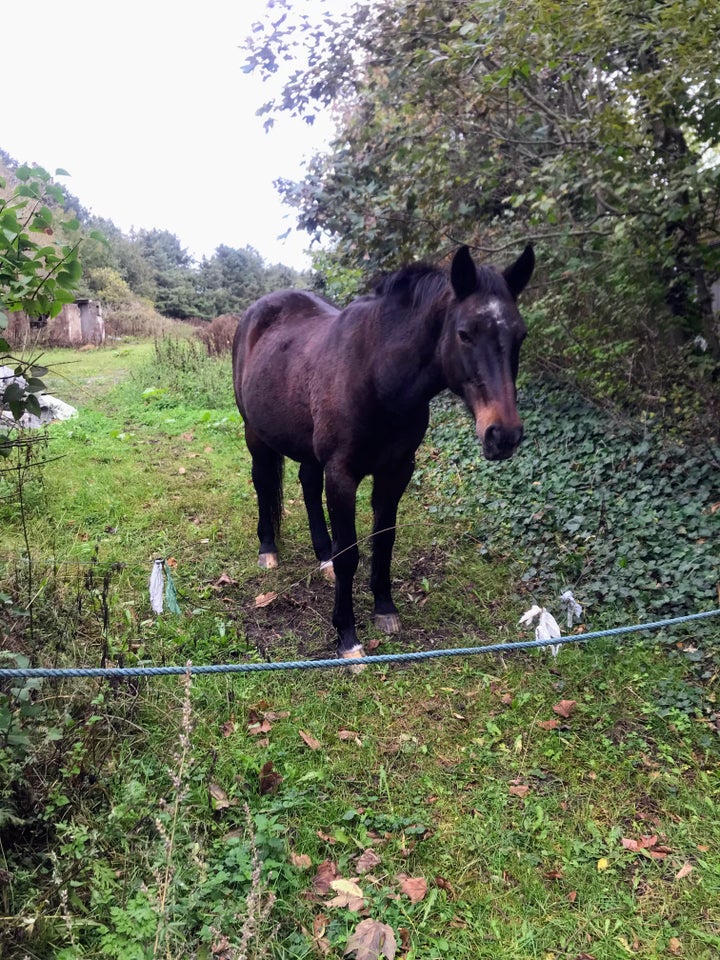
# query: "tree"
[[592, 128], [37, 275]]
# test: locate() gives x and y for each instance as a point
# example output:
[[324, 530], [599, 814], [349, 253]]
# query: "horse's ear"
[[463, 274], [517, 275]]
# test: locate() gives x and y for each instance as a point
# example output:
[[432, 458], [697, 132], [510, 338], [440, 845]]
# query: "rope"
[[58, 672]]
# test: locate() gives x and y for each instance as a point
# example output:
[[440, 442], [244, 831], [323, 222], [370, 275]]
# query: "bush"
[[218, 334]]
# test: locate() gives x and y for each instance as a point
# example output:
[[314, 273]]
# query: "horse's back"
[[277, 343]]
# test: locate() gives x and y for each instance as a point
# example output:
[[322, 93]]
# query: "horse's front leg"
[[388, 488], [340, 491]]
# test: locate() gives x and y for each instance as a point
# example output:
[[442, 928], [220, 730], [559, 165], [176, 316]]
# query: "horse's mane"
[[422, 285]]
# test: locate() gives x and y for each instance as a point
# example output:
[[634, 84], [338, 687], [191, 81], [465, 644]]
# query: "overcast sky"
[[145, 104]]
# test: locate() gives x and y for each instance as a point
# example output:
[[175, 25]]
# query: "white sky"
[[145, 104]]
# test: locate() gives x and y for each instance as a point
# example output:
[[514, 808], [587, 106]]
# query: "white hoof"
[[328, 570], [357, 653], [268, 561]]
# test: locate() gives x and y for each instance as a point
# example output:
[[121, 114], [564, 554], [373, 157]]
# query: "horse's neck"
[[412, 357]]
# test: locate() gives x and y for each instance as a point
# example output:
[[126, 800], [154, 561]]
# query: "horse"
[[346, 394]]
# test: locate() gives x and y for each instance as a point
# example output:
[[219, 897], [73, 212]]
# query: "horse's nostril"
[[500, 442]]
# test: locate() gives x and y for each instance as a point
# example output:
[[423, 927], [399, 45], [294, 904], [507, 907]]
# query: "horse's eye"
[[464, 336]]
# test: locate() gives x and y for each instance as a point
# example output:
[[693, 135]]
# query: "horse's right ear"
[[517, 275], [463, 274]]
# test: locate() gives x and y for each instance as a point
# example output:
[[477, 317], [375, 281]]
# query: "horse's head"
[[481, 347]]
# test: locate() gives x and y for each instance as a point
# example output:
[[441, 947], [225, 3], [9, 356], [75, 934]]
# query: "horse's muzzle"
[[500, 443]]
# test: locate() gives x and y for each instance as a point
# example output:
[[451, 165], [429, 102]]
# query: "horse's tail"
[[276, 493]]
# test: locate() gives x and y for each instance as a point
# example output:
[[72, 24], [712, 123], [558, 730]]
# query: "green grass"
[[442, 769]]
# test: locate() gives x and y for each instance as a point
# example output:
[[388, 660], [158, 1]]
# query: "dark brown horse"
[[346, 394]]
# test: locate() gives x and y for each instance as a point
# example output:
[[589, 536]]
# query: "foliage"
[[593, 129], [609, 508], [37, 275]]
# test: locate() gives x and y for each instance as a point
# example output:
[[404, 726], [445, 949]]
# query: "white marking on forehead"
[[494, 308]]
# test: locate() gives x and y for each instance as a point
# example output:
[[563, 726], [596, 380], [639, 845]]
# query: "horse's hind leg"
[[311, 479], [267, 478], [387, 489]]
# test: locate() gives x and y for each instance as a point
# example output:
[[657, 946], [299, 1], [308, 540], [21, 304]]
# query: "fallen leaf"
[[554, 875], [684, 870], [265, 599], [182, 470], [223, 581], [320, 942], [366, 861], [644, 843], [350, 735], [413, 887], [346, 886], [187, 436], [552, 724], [328, 838], [228, 728], [519, 790], [674, 945], [445, 885], [572, 896], [372, 940], [564, 708], [300, 860], [269, 779], [349, 895], [372, 645], [506, 699], [326, 873], [309, 740], [219, 798]]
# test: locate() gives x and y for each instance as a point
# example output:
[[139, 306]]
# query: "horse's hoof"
[[387, 622], [357, 653], [268, 561], [328, 570]]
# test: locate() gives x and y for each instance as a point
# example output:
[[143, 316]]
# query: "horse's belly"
[[279, 417]]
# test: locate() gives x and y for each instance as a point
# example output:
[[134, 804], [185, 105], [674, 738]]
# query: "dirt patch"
[[298, 623]]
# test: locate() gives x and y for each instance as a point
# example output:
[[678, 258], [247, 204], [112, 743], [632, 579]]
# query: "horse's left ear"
[[517, 275], [463, 274]]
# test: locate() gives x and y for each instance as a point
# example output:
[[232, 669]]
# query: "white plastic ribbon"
[[157, 583], [547, 627]]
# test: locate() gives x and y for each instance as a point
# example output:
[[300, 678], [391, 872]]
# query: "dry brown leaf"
[[367, 860], [519, 789], [684, 870], [372, 940], [445, 885], [181, 470], [269, 779], [321, 944], [326, 873], [219, 798], [309, 740], [572, 896], [228, 728], [350, 735], [644, 843], [565, 708], [300, 860], [552, 724], [349, 895], [413, 887], [674, 945], [265, 599]]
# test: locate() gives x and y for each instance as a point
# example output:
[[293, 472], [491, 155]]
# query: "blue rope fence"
[[62, 672]]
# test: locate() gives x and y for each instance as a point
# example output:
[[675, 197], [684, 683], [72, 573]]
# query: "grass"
[[529, 834]]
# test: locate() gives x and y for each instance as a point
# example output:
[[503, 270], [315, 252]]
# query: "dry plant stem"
[[178, 773]]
